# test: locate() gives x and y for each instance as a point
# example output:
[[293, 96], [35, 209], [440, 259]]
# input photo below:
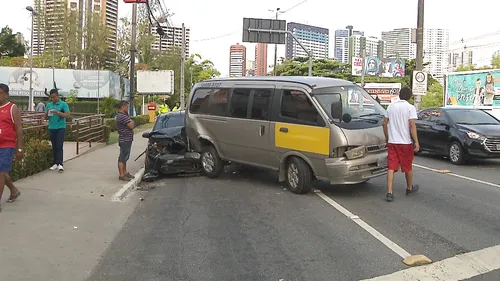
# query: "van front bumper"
[[345, 171]]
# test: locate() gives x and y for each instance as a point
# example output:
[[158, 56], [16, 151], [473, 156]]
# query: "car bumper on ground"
[[345, 171]]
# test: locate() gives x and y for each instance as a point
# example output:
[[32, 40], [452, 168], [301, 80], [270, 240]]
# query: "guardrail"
[[88, 129]]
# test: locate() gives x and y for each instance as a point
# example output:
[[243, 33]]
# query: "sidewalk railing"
[[34, 123], [88, 129]]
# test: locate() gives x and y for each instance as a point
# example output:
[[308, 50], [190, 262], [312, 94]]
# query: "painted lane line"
[[458, 176], [460, 267], [379, 236]]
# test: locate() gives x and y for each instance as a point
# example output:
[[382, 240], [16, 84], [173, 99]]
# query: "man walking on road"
[[399, 129], [11, 141], [125, 127], [57, 111]]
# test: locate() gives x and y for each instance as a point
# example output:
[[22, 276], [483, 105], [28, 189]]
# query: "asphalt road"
[[245, 226]]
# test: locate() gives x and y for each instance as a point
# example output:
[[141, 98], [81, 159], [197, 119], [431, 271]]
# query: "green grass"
[[113, 136]]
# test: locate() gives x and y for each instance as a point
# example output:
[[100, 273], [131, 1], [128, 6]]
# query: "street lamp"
[[33, 14], [278, 11], [54, 63]]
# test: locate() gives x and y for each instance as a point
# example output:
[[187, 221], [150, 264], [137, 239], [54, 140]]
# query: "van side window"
[[239, 103], [210, 101], [296, 105], [260, 104]]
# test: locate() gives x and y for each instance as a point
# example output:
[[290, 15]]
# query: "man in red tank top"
[[11, 141]]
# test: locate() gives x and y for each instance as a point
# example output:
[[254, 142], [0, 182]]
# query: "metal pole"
[[30, 102], [132, 58], [420, 45], [275, 48], [98, 89], [310, 64], [54, 63], [363, 70], [183, 58]]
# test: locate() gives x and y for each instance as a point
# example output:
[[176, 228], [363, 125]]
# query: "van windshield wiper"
[[372, 114]]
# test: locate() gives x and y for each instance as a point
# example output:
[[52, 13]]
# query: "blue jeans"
[[57, 140]]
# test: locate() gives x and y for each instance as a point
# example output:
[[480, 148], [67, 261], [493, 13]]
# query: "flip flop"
[[13, 198]]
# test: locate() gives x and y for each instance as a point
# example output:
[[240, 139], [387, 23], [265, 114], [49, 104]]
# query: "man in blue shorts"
[[11, 141]]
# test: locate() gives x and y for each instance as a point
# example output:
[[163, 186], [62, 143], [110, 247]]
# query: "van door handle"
[[284, 130], [262, 130]]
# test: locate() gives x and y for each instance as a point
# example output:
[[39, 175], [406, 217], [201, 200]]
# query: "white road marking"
[[379, 236], [457, 268], [458, 176]]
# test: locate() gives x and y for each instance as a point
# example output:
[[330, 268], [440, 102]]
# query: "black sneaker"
[[414, 188], [389, 197]]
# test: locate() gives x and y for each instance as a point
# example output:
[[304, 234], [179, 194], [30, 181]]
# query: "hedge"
[[37, 158], [138, 120]]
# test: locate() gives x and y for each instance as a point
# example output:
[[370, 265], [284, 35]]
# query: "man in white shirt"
[[399, 129]]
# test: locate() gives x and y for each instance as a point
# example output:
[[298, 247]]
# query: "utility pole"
[[420, 46], [362, 50], [54, 63], [132, 58], [183, 59], [276, 48]]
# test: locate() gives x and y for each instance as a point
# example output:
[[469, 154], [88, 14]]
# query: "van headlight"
[[355, 153], [475, 136]]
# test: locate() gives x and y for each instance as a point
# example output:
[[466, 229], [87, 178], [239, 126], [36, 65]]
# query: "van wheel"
[[298, 176], [211, 163], [456, 153]]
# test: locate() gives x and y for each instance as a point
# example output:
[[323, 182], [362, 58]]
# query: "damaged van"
[[306, 128], [168, 151]]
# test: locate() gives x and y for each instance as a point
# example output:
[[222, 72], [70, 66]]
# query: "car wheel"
[[456, 153], [298, 176], [211, 163]]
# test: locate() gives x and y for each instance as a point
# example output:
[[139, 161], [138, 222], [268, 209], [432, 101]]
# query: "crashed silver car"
[[168, 151]]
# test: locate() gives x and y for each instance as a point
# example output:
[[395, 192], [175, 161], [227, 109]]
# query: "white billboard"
[[83, 83], [155, 82]]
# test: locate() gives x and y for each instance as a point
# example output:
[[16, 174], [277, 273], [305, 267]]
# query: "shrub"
[[138, 120], [37, 158]]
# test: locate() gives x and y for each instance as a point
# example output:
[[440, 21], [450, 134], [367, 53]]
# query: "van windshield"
[[359, 109]]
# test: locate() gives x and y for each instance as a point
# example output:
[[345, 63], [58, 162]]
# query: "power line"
[[475, 38], [295, 6], [216, 37]]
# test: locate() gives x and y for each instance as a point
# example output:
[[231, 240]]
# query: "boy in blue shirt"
[[57, 111]]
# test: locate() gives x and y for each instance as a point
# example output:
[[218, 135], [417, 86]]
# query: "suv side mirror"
[[146, 135], [336, 107]]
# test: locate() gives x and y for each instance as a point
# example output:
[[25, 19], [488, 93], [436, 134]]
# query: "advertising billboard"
[[473, 88], [84, 83], [379, 67], [386, 92], [155, 82]]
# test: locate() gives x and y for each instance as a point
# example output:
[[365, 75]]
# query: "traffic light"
[[135, 1]]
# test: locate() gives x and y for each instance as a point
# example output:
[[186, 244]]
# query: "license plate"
[[382, 162], [498, 146]]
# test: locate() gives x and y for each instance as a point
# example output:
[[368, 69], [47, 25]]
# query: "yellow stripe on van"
[[303, 138]]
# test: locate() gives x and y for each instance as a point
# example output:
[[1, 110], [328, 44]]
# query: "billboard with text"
[[473, 88], [374, 66], [84, 83], [386, 92]]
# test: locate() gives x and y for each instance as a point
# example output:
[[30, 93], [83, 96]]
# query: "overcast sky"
[[213, 19]]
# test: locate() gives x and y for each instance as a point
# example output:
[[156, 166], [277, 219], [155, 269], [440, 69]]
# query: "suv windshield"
[[169, 121], [472, 117], [357, 105]]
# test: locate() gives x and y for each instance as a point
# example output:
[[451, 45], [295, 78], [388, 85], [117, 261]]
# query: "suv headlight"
[[358, 152], [475, 136]]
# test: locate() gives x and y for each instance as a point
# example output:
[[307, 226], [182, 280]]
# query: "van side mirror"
[[336, 107]]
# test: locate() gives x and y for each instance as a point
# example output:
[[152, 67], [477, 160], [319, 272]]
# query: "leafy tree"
[[9, 45], [434, 96], [96, 42], [72, 96], [466, 67], [495, 60]]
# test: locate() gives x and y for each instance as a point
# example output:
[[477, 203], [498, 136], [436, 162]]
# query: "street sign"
[[419, 85], [261, 31]]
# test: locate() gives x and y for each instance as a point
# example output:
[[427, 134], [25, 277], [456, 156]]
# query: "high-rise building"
[[237, 60], [400, 43], [315, 39], [457, 59], [261, 59], [50, 28], [436, 50], [341, 45], [374, 47], [172, 38]]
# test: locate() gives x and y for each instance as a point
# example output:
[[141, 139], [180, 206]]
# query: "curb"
[[128, 187]]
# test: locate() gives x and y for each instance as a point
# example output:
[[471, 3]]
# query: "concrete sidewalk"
[[63, 222]]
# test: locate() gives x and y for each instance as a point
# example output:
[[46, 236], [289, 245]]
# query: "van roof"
[[311, 81]]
